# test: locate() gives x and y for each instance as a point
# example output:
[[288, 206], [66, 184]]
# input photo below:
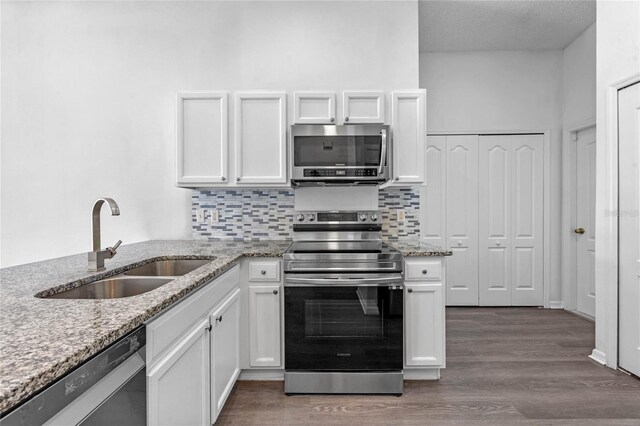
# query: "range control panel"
[[368, 216]]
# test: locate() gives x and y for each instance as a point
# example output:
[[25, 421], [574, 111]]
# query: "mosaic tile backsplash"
[[249, 215]]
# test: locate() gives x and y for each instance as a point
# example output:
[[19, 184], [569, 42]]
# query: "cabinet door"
[[408, 124], [260, 139], [314, 108], [462, 220], [202, 138], [225, 356], [264, 326], [363, 107], [424, 325], [178, 386]]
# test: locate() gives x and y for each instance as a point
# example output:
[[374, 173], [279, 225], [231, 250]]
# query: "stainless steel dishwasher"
[[108, 389]]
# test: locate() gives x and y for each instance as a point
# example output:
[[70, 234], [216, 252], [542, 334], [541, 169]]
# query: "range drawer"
[[264, 270], [423, 270]]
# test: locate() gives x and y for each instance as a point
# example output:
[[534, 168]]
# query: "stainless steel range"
[[343, 306]]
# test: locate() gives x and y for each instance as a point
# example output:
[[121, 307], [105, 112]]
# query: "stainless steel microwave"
[[340, 154]]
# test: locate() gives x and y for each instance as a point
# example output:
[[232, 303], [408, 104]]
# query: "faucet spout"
[[95, 218], [97, 256]]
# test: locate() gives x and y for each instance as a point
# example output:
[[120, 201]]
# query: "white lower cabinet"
[[424, 314], [178, 385], [264, 326], [225, 347], [193, 355]]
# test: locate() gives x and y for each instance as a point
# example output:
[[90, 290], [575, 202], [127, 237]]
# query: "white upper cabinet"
[[314, 108], [363, 107], [408, 124], [202, 138], [260, 139]]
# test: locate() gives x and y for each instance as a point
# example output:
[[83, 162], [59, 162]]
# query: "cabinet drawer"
[[264, 270], [167, 329], [421, 270]]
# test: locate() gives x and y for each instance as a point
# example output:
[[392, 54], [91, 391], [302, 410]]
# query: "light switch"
[[215, 216], [199, 215], [400, 215]]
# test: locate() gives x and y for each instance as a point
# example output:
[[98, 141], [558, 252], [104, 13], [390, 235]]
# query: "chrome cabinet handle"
[[210, 327], [219, 319], [263, 272], [410, 290], [275, 291]]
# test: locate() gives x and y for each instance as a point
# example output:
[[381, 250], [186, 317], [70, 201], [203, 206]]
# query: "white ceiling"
[[454, 25]]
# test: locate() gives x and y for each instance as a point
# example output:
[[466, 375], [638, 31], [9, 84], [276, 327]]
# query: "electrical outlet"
[[400, 215], [215, 216], [199, 215]]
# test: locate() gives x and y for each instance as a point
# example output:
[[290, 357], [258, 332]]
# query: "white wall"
[[617, 58], [504, 90], [88, 99], [579, 78]]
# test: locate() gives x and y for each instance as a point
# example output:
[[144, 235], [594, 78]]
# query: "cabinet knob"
[[237, 179], [397, 178], [497, 243], [424, 272], [223, 178], [275, 291], [219, 319], [263, 272], [346, 119], [459, 243], [209, 328], [333, 119], [410, 290]]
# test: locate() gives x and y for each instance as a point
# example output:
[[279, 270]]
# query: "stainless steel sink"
[[168, 268], [113, 288]]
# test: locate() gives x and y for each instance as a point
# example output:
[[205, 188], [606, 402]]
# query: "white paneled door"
[[462, 219], [629, 227], [585, 231], [510, 220]]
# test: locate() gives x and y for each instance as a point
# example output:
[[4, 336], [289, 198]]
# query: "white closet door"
[[495, 210], [629, 227], [462, 219], [510, 220], [586, 219], [432, 194], [527, 216]]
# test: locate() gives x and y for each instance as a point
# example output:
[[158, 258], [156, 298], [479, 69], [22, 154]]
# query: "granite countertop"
[[415, 247], [43, 339]]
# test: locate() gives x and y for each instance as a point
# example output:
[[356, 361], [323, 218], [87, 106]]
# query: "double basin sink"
[[134, 281]]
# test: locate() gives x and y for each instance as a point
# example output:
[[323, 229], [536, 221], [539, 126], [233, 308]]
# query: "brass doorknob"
[[579, 231]]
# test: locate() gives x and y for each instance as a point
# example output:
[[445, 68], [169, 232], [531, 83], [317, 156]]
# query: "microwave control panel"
[[340, 172]]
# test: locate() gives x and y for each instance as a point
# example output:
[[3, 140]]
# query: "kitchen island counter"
[[42, 339]]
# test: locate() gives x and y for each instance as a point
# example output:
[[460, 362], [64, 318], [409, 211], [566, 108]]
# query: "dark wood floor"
[[505, 366]]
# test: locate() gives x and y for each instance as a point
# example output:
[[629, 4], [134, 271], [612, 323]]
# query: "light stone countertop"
[[43, 339]]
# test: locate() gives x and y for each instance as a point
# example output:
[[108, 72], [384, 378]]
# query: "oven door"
[[346, 322]]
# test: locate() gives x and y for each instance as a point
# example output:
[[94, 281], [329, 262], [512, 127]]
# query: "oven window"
[[323, 151], [361, 318]]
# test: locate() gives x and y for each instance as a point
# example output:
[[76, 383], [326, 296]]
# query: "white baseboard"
[[422, 374], [266, 374], [599, 357], [556, 304]]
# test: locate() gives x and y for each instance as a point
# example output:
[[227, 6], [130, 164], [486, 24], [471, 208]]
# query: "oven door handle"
[[298, 281]]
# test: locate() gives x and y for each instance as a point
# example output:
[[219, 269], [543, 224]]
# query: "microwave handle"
[[383, 151]]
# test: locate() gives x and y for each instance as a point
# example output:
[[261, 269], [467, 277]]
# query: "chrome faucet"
[[97, 256]]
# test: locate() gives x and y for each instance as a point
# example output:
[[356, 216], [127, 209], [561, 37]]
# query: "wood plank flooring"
[[505, 366]]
